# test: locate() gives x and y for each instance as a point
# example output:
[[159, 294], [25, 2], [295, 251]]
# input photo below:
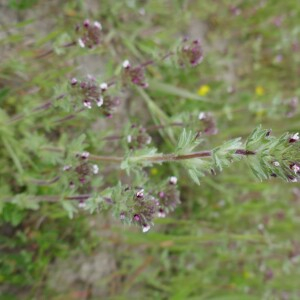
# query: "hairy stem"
[[153, 158], [44, 106]]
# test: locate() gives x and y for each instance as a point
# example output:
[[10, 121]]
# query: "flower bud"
[[73, 81], [86, 23]]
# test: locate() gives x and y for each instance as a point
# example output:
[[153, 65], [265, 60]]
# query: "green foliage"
[[232, 237]]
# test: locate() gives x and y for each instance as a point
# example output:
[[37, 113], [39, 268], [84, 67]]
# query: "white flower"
[[100, 102], [161, 214], [67, 168], [260, 226], [295, 168], [95, 169], [295, 136], [173, 180], [148, 141], [129, 139], [81, 43], [81, 204], [276, 163], [98, 25], [126, 64], [85, 154], [140, 193], [146, 228], [202, 116], [142, 11], [103, 86], [87, 104], [73, 81]]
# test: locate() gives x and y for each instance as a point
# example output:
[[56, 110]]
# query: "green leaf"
[[175, 91]]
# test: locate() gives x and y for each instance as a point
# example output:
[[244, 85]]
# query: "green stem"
[[154, 158]]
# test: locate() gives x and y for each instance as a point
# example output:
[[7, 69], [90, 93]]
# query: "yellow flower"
[[203, 90], [154, 171], [248, 275], [259, 91]]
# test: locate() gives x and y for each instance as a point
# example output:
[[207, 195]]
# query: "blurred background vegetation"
[[232, 237]]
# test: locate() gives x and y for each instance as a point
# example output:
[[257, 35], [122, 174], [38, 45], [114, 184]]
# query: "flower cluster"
[[79, 174], [90, 34], [290, 168], [135, 75], [295, 165], [191, 53], [138, 137], [208, 122], [93, 94], [145, 206]]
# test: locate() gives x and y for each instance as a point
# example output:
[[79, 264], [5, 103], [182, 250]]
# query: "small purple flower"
[[191, 54], [135, 75], [85, 155], [122, 216], [71, 185], [73, 81], [136, 218], [86, 23], [89, 35], [161, 195], [295, 168], [87, 103], [140, 194]]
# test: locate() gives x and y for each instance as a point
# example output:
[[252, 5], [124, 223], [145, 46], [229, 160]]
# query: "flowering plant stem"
[[153, 158]]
